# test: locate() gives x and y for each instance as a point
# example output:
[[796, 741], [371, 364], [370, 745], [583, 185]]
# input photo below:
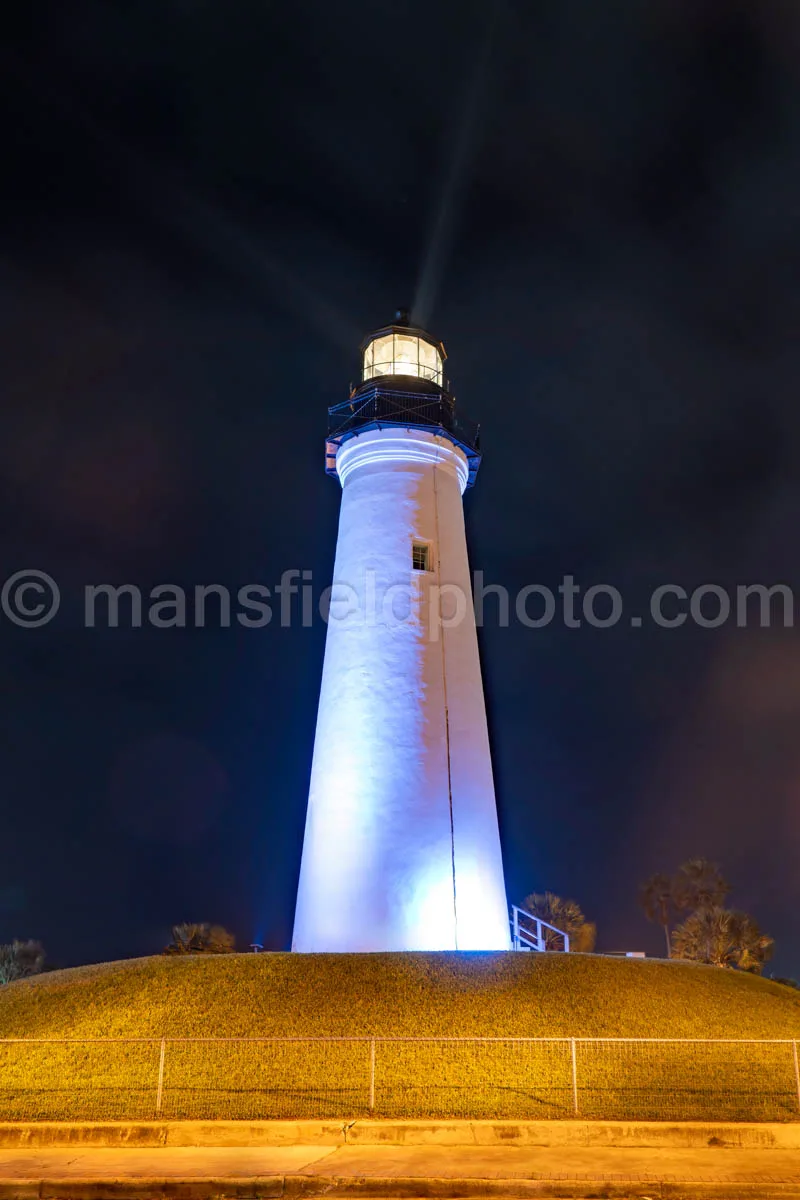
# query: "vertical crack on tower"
[[446, 706]]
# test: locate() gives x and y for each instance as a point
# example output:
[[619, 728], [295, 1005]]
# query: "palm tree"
[[699, 884], [722, 937], [754, 948], [194, 938], [656, 898], [567, 916]]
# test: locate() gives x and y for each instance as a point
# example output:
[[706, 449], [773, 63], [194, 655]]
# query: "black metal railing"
[[372, 408], [366, 407]]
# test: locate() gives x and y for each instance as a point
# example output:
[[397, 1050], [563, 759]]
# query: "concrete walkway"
[[433, 1171]]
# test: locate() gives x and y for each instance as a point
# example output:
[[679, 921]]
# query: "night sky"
[[205, 207]]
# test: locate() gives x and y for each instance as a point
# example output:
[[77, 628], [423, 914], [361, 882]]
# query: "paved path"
[[713, 1165]]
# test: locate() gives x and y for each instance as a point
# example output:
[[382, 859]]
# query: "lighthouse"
[[401, 848]]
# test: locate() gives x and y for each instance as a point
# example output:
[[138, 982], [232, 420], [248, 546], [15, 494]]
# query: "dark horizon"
[[205, 212]]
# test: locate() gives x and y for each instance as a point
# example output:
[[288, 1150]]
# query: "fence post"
[[160, 1088], [372, 1074], [574, 1076], [796, 1072]]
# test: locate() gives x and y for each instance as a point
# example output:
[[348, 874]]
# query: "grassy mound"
[[396, 996], [393, 995]]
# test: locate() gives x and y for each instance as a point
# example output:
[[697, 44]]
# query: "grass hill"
[[423, 995], [385, 996]]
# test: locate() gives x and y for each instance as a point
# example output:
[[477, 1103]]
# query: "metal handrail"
[[524, 938]]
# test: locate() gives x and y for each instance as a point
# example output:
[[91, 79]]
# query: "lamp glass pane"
[[430, 362], [369, 359], [406, 354], [382, 355]]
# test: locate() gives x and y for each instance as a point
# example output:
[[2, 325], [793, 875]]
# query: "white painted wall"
[[389, 863]]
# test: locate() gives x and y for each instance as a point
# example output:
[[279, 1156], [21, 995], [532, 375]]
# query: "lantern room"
[[402, 349]]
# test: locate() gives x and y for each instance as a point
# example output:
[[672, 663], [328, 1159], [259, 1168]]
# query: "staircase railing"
[[528, 933]]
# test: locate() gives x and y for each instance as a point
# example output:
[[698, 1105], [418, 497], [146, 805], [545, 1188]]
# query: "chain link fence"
[[515, 1078]]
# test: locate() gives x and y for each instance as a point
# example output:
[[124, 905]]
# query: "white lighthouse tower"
[[401, 848]]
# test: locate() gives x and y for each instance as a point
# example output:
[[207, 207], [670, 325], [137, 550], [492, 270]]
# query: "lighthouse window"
[[420, 556]]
